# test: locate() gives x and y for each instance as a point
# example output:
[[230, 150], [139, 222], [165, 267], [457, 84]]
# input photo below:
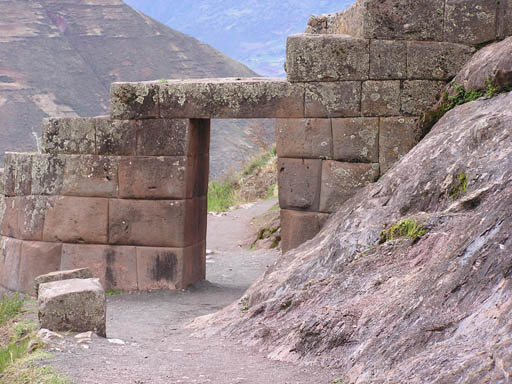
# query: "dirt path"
[[158, 349]]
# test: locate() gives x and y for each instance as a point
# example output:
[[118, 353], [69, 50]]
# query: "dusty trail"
[[158, 348]]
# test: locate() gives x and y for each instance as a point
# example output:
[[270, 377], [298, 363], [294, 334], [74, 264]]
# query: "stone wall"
[[125, 198], [125, 195]]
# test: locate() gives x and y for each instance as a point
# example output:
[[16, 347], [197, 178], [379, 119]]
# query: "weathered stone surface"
[[115, 266], [1, 181], [341, 181], [388, 60], [326, 58], [116, 137], [77, 305], [299, 183], [163, 177], [490, 64], [436, 61], [9, 216], [377, 306], [392, 19], [32, 212], [328, 23], [170, 268], [47, 174], [157, 223], [420, 95], [18, 174], [380, 98], [82, 273], [173, 137], [504, 17], [10, 262], [77, 220], [333, 99], [304, 138], [90, 176], [398, 135], [231, 98], [470, 21], [134, 101], [68, 136], [37, 258], [297, 227], [356, 139]]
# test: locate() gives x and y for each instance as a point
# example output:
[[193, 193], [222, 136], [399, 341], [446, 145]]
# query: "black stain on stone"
[[110, 277], [165, 267]]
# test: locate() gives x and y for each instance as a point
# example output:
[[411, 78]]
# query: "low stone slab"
[[81, 273], [208, 98], [326, 58], [77, 305], [297, 227]]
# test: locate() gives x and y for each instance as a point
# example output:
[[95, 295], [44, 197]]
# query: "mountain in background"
[[251, 31], [58, 58]]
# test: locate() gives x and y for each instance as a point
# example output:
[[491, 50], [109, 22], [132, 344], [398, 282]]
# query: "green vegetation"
[[461, 96], [407, 228], [10, 306], [17, 366], [112, 292], [244, 305], [460, 187], [225, 194]]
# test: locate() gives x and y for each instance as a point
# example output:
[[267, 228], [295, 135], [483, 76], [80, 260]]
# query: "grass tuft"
[[407, 228], [461, 187], [10, 306]]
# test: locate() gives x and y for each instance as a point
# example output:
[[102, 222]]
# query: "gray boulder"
[[77, 305]]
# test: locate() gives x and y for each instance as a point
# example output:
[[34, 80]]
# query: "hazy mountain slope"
[[251, 31], [58, 58]]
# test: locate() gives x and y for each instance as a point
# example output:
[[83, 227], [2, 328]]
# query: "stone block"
[[163, 177], [299, 183], [335, 99], [47, 174], [10, 262], [115, 266], [341, 181], [470, 21], [9, 217], [173, 137], [157, 223], [37, 258], [77, 305], [356, 139], [388, 60], [398, 135], [130, 101], [231, 98], [68, 136], [116, 137], [393, 20], [90, 176], [326, 58], [436, 61], [82, 273], [77, 220], [170, 268], [18, 174], [32, 212], [418, 96], [304, 138], [297, 227], [381, 98]]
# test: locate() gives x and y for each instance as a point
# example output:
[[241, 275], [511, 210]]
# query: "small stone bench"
[[77, 305], [82, 273]]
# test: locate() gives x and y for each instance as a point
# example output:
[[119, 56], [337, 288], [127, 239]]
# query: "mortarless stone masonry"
[[125, 195]]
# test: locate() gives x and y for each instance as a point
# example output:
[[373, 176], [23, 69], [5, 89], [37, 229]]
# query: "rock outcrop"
[[432, 308]]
